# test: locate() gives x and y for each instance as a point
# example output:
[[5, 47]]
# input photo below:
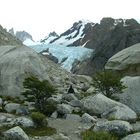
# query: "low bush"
[[38, 118], [38, 91], [108, 83], [50, 108], [91, 135], [40, 131]]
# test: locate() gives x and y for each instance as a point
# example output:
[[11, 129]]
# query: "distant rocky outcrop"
[[11, 31], [8, 39], [23, 35]]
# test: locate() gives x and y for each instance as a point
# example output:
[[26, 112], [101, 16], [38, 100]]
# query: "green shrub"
[[40, 131], [108, 83], [38, 91], [50, 108], [38, 118], [91, 135]]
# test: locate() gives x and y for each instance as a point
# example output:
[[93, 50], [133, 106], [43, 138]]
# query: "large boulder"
[[64, 109], [15, 133], [131, 95], [135, 136], [136, 126], [101, 105], [6, 119], [24, 122], [69, 97], [11, 107], [126, 61], [120, 113], [86, 118], [118, 127], [16, 63], [7, 38]]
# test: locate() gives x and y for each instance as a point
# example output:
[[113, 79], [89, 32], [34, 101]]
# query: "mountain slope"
[[108, 38], [74, 36], [8, 39]]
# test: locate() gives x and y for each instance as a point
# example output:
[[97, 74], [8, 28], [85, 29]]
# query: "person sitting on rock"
[[71, 90]]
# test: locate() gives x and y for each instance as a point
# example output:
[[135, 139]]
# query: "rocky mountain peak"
[[11, 31], [50, 37], [113, 22], [53, 34], [74, 35], [23, 35], [7, 38], [131, 22]]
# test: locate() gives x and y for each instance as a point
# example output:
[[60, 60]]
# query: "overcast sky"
[[39, 17]]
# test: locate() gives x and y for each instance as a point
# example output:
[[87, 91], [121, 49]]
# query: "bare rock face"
[[126, 61], [16, 63]]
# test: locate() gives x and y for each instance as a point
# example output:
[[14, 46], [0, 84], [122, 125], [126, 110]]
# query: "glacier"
[[71, 53]]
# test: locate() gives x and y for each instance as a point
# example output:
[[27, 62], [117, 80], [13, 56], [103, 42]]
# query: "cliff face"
[[108, 38]]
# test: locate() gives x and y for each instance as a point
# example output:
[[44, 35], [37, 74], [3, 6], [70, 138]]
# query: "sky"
[[40, 17]]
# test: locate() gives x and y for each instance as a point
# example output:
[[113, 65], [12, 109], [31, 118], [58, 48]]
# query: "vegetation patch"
[[40, 131], [108, 83], [33, 131], [38, 118], [38, 91], [91, 135]]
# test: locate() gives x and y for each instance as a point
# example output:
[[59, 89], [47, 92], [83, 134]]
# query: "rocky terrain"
[[75, 111]]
